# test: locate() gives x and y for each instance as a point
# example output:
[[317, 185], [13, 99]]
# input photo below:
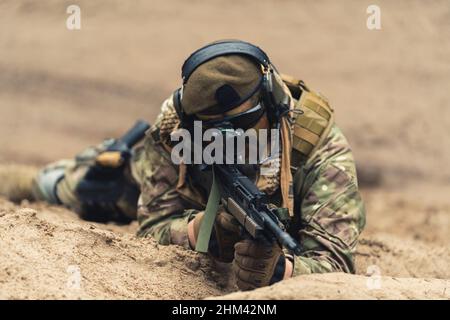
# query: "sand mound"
[[345, 286], [48, 253]]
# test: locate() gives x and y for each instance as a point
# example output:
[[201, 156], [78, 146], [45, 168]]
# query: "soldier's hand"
[[226, 233], [258, 264]]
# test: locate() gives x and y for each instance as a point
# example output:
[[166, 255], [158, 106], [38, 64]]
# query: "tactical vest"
[[310, 126]]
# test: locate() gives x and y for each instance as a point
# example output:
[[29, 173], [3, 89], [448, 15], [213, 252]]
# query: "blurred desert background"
[[63, 90]]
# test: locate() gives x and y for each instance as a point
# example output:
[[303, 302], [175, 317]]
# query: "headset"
[[274, 98]]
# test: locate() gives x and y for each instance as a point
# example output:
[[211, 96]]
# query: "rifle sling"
[[209, 217]]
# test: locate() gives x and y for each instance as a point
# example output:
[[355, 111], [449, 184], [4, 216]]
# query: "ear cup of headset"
[[186, 121]]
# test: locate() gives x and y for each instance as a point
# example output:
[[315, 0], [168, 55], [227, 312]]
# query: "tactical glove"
[[225, 234], [258, 264]]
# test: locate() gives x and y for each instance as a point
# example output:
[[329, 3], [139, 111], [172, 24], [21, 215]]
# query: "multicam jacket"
[[328, 217]]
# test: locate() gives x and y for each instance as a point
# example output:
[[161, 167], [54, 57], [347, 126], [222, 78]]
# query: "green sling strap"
[[209, 217]]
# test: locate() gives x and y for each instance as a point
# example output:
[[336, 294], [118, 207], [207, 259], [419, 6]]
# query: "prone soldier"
[[311, 182]]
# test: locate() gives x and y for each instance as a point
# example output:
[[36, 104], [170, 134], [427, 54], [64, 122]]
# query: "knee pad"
[[46, 182]]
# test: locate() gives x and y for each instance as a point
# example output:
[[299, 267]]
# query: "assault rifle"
[[104, 179], [250, 207], [119, 150]]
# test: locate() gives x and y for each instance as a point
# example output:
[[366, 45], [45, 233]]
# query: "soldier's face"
[[249, 115], [262, 122]]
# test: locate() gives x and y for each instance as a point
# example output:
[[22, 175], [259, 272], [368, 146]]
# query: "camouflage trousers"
[[133, 193], [96, 194]]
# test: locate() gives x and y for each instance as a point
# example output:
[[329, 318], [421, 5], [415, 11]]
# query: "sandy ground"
[[62, 90], [344, 286]]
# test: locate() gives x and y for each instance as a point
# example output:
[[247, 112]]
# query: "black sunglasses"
[[244, 120]]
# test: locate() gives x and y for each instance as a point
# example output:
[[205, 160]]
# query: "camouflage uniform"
[[113, 197], [328, 210]]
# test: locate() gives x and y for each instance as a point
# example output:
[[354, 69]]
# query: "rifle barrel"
[[135, 134]]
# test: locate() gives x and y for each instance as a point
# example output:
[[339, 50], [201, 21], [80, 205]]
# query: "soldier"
[[314, 178]]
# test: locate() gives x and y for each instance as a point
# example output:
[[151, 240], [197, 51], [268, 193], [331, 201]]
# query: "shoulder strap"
[[312, 126]]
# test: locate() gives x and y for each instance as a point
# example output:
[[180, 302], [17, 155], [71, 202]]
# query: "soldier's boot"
[[16, 182]]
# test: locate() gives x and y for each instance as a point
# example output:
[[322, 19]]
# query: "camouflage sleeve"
[[332, 211], [161, 210]]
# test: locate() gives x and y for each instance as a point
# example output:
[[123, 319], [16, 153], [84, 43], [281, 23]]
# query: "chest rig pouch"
[[313, 125]]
